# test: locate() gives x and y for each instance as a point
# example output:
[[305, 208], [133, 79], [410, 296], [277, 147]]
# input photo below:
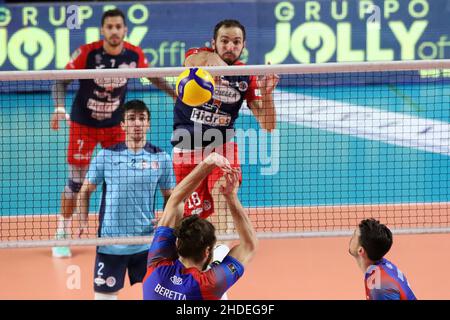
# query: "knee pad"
[[72, 188]]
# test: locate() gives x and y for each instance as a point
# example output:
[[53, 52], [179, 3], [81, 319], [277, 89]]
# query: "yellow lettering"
[[423, 5], [85, 12], [373, 43], [282, 45], [31, 48], [284, 11], [108, 7], [162, 51], [365, 7], [137, 35], [3, 45], [312, 10], [390, 6], [153, 56], [442, 44], [62, 16], [345, 53], [344, 12], [92, 34], [430, 73], [132, 15], [313, 42], [29, 15], [62, 40], [5, 16], [433, 49], [408, 39]]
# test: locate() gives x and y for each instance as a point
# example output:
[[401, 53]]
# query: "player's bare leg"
[[68, 203]]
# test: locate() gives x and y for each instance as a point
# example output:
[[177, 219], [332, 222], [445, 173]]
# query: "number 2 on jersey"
[[101, 265]]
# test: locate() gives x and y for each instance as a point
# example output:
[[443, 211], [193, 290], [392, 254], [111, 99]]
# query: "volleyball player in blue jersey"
[[182, 248], [383, 280], [130, 173]]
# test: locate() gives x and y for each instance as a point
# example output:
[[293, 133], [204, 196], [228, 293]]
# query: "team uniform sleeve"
[[96, 172], [384, 294], [163, 246], [224, 275], [142, 62], [253, 93], [167, 180], [78, 59], [192, 51]]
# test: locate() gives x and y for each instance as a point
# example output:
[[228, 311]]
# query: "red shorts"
[[84, 139], [184, 161]]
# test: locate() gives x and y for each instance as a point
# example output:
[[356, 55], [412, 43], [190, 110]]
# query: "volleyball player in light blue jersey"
[[130, 173]]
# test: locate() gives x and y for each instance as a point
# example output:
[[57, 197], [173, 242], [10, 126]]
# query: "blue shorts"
[[109, 273]]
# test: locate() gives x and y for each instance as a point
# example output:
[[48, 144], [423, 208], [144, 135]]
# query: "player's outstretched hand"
[[219, 161], [58, 115], [267, 83], [214, 60], [231, 182]]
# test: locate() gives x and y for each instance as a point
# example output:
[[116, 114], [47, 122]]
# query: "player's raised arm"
[[248, 241], [163, 85], [203, 58], [264, 109], [174, 207]]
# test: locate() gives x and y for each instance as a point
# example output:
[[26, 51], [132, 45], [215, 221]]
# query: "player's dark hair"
[[375, 238], [135, 105], [229, 23], [194, 236], [113, 13]]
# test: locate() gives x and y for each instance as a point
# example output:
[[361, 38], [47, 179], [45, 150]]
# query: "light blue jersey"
[[129, 182]]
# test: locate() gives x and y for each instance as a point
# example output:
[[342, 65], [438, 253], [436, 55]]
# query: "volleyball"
[[195, 86]]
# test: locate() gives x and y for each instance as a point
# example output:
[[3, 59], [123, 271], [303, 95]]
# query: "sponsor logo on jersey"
[[206, 205], [209, 118], [111, 282], [226, 94], [197, 211], [232, 268], [75, 54], [111, 83], [144, 165], [99, 281], [176, 280], [243, 86], [124, 65], [98, 58], [102, 110], [154, 165], [169, 294]]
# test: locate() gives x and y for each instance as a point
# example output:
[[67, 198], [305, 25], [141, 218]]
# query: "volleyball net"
[[352, 141]]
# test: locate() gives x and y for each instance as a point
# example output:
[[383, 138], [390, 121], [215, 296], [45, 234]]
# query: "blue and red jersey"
[[384, 281], [168, 279], [97, 101], [219, 113]]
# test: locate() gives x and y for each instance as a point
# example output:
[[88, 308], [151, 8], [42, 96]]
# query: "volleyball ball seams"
[[195, 87]]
